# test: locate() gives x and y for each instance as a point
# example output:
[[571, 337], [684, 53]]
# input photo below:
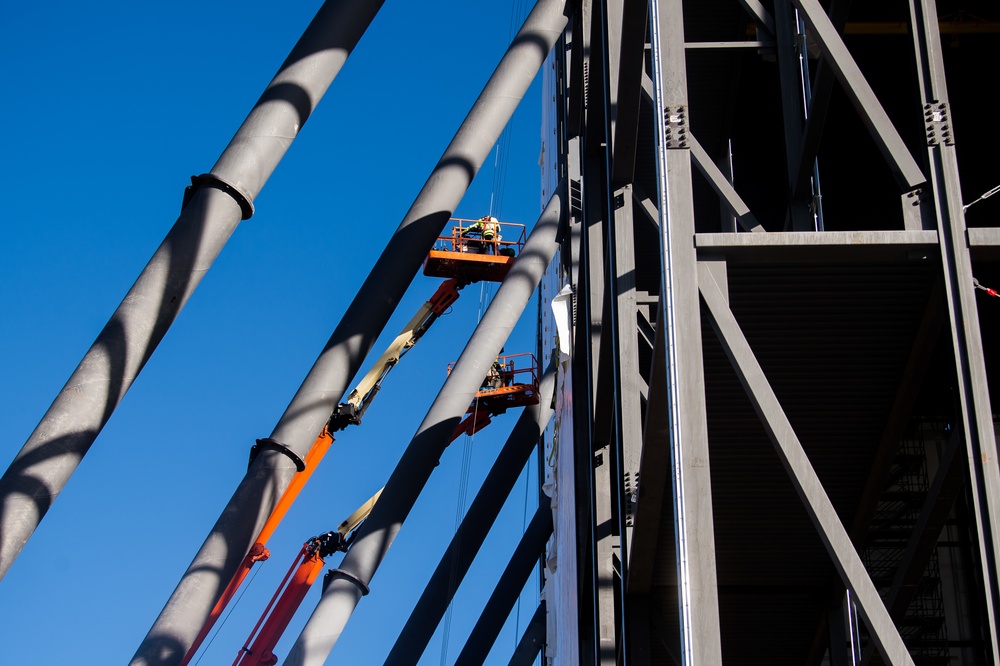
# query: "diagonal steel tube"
[[214, 207], [375, 535], [325, 384], [532, 640], [512, 581], [475, 526]]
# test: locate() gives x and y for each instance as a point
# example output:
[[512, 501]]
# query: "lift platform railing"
[[469, 257], [464, 238], [512, 381]]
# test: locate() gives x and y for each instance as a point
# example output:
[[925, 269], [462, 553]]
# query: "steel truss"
[[769, 244]]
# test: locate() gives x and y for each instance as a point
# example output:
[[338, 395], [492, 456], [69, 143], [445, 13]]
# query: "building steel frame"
[[655, 586]]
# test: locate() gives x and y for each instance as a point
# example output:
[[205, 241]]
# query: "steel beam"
[[327, 381], [654, 472], [587, 340], [681, 317], [904, 168], [515, 575], [611, 46], [377, 533], [475, 526], [963, 316], [727, 193], [792, 111], [630, 72], [819, 105], [625, 338], [807, 484], [760, 15], [605, 544], [215, 204], [712, 173]]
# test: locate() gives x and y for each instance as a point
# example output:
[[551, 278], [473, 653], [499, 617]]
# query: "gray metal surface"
[[476, 524], [970, 366], [327, 381], [69, 427], [723, 187], [374, 537], [680, 316]]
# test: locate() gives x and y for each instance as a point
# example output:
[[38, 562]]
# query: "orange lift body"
[[443, 298], [469, 258], [258, 650], [511, 382]]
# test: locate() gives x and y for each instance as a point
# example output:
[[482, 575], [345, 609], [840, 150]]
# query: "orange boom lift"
[[461, 265]]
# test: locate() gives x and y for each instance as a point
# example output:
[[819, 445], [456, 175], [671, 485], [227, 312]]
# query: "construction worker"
[[494, 378], [488, 229]]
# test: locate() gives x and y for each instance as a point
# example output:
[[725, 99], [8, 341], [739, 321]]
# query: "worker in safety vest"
[[495, 377], [488, 229]]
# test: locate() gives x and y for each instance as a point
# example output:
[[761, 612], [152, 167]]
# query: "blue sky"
[[108, 109]]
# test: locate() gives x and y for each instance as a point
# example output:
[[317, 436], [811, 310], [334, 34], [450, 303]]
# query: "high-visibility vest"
[[490, 227]]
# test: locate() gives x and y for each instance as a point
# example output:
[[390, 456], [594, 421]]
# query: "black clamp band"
[[211, 180], [269, 443], [349, 576]]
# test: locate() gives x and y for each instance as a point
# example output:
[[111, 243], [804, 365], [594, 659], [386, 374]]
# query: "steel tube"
[[73, 421], [341, 358], [529, 549], [376, 534], [475, 526]]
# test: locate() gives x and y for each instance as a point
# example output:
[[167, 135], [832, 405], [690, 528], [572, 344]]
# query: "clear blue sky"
[[108, 108]]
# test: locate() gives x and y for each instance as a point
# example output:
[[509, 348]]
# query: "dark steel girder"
[[532, 640], [822, 89], [527, 553], [628, 99], [904, 167]]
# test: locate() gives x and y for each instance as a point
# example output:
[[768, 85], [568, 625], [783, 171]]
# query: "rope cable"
[[985, 195]]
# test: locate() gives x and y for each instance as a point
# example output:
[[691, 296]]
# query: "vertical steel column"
[[970, 369], [628, 379], [376, 534], [508, 588], [681, 317], [311, 407], [218, 201], [793, 115], [468, 539]]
